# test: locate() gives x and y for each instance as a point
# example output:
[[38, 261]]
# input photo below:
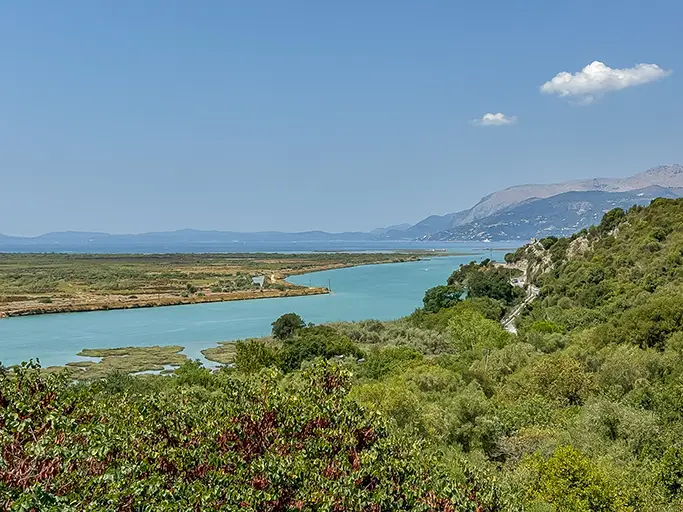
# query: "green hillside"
[[581, 410]]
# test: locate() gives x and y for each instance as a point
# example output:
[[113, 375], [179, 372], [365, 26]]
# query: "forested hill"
[[581, 410], [624, 276]]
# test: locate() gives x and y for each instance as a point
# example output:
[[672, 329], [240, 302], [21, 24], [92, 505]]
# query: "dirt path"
[[509, 320]]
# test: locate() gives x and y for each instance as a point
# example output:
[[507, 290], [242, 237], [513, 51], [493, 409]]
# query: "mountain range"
[[190, 236], [558, 215], [665, 176], [516, 213]]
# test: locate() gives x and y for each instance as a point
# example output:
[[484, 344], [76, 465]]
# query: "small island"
[[34, 284]]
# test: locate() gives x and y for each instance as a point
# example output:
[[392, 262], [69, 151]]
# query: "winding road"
[[509, 320]]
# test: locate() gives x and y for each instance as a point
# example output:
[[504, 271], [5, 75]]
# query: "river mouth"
[[384, 292]]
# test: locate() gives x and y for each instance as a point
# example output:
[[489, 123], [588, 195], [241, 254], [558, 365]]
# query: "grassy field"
[[58, 283]]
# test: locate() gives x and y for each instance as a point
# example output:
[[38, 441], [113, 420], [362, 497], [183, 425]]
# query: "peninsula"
[[33, 284]]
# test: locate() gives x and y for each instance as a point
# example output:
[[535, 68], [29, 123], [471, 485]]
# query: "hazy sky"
[[131, 116]]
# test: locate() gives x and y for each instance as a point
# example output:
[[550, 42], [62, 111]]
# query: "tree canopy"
[[484, 280], [285, 326], [441, 297]]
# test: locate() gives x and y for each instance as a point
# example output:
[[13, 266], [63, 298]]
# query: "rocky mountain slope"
[[559, 215], [665, 176]]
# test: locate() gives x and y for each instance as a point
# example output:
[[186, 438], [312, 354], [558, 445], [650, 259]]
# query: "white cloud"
[[597, 78], [498, 119]]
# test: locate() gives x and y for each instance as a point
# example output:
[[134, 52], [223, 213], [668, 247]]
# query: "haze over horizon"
[[131, 118]]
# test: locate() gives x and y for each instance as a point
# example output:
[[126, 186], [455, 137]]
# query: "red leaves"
[[437, 504], [69, 409], [48, 399], [95, 467], [47, 469], [331, 471], [25, 470], [251, 438], [226, 440], [127, 504], [259, 482], [198, 472], [311, 426], [332, 382], [167, 466], [365, 437], [80, 439], [354, 459], [204, 454]]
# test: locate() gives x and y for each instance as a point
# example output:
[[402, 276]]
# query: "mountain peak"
[[665, 170]]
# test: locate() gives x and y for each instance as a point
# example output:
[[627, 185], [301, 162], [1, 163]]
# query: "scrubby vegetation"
[[208, 443], [485, 280], [581, 410]]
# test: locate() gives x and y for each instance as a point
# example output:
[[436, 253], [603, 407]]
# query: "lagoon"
[[383, 292]]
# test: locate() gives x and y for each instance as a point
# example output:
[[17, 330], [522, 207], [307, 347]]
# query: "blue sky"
[[132, 116]]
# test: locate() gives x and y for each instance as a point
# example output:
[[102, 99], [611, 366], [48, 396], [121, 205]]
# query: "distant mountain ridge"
[[80, 238], [515, 213], [558, 215], [665, 176], [395, 227]]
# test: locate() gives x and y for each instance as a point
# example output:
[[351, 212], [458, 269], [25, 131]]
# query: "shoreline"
[[160, 303], [112, 302]]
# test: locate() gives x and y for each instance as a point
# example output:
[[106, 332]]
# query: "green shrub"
[[441, 297], [253, 355], [285, 326], [311, 342], [570, 481]]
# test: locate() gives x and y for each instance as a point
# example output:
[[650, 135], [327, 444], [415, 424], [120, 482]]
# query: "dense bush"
[[570, 481], [485, 280], [441, 297], [285, 326], [582, 411], [313, 342], [247, 445], [254, 355]]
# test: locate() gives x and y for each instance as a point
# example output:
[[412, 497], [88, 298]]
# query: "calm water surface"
[[376, 291]]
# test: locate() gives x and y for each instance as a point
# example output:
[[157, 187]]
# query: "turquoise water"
[[376, 291]]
